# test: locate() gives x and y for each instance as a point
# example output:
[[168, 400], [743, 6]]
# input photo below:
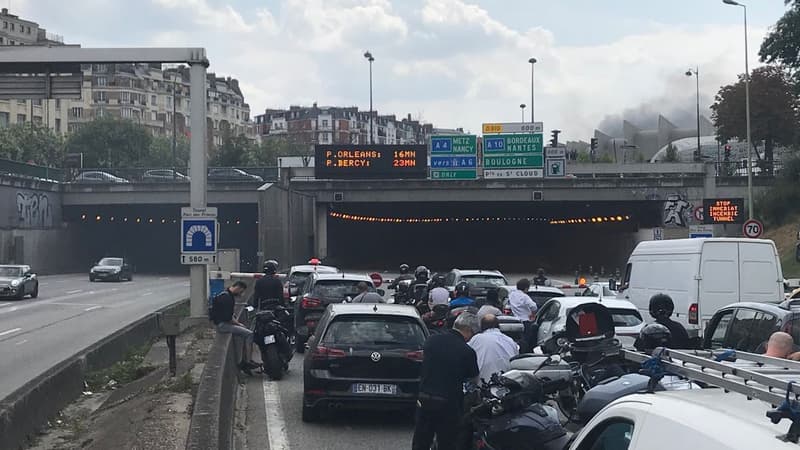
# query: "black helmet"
[[438, 280], [652, 336], [404, 269], [540, 272], [422, 272], [271, 267], [462, 289], [661, 306]]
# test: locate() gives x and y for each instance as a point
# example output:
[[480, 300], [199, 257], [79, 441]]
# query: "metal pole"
[[747, 108], [697, 77], [532, 91], [174, 122], [198, 274], [371, 137]]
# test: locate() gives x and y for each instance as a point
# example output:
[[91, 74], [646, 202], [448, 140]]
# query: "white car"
[[552, 319], [600, 290], [297, 276]]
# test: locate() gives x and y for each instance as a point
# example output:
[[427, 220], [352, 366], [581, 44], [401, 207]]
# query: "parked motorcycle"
[[271, 335]]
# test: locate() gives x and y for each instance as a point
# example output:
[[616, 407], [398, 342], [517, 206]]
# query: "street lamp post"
[[369, 57], [696, 73], [747, 111], [522, 108], [533, 63]]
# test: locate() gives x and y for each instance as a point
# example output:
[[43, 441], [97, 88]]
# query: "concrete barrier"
[[28, 409]]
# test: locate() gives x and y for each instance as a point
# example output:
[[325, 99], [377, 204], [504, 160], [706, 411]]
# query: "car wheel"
[[310, 413], [91, 279], [35, 292]]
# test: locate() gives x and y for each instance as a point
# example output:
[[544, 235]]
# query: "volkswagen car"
[[17, 281], [363, 356]]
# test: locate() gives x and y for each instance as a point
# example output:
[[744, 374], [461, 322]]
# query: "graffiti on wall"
[[34, 210], [677, 211]]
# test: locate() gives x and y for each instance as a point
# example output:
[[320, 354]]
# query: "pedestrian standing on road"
[[447, 363], [493, 349], [222, 309], [524, 309], [365, 296]]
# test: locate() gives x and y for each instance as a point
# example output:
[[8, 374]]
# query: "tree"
[[109, 142], [31, 143], [672, 154], [773, 110], [782, 44], [233, 151], [160, 154], [272, 148]]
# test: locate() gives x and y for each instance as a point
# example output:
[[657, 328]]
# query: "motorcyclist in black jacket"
[[268, 289], [661, 308], [404, 275]]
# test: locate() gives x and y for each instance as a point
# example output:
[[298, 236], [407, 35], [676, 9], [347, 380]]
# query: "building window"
[[169, 117], [37, 120], [153, 116], [126, 113], [169, 101], [125, 97], [155, 85], [77, 112], [58, 103], [101, 112], [20, 118], [102, 81], [216, 109], [100, 68], [37, 102], [58, 125], [12, 26], [100, 96], [5, 25], [4, 119], [153, 100], [1, 39], [12, 42], [29, 30]]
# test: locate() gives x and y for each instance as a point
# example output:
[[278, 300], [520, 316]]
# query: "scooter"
[[271, 335]]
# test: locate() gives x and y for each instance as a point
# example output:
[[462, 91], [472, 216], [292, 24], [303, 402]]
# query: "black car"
[[747, 326], [363, 356], [111, 269], [17, 281], [319, 291]]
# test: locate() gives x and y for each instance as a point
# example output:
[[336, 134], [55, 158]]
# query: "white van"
[[703, 275]]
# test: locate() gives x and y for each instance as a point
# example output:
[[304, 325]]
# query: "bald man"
[[781, 345], [492, 348]]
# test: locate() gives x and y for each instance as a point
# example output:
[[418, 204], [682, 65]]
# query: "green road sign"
[[512, 161], [468, 174]]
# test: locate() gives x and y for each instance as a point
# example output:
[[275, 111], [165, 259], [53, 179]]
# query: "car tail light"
[[311, 323], [310, 302], [693, 314], [327, 353], [507, 311], [415, 356], [318, 392]]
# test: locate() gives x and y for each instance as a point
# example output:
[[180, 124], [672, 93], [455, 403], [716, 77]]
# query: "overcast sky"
[[455, 63]]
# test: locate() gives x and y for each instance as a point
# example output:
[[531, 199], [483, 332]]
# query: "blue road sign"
[[441, 145], [199, 236], [468, 162]]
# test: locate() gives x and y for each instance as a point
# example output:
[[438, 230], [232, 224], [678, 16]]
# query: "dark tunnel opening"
[[507, 236], [150, 234]]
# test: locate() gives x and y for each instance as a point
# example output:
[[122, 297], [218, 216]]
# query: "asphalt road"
[[71, 314]]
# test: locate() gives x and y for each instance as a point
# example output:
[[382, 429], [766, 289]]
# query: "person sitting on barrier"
[[781, 345], [221, 313]]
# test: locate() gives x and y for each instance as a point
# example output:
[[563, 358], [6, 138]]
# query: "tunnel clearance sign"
[[370, 161], [513, 156], [454, 157]]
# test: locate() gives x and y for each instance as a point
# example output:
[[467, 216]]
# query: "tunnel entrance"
[[149, 234], [508, 236]]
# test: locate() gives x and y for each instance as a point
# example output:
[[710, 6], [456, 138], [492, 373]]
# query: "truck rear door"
[[719, 274], [760, 279]]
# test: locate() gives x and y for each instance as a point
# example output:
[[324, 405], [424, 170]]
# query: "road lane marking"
[[276, 426], [21, 342], [145, 294], [92, 308], [74, 291], [13, 330]]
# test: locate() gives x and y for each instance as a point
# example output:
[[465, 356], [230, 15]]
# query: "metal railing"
[[138, 175], [19, 169]]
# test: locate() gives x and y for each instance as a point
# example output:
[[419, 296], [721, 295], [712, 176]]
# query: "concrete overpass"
[[156, 193]]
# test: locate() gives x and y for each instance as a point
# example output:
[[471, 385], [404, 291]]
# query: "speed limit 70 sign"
[[753, 229]]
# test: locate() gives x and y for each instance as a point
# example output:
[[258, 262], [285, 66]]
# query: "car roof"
[[687, 245], [311, 268], [766, 307], [550, 289], [728, 418], [343, 276], [16, 266], [468, 272], [571, 302], [374, 308]]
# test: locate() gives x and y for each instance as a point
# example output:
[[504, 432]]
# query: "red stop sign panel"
[[377, 279]]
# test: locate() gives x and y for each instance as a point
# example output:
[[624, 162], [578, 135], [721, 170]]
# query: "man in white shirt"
[[522, 306], [493, 348]]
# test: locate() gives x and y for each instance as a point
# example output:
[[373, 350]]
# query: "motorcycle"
[[509, 413], [402, 295], [419, 295], [272, 336]]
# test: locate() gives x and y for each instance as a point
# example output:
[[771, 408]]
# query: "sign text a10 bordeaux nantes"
[[513, 143]]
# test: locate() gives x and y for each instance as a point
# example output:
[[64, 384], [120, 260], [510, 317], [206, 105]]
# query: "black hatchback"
[[363, 356], [747, 326]]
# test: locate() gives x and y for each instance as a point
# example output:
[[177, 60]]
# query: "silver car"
[[97, 176], [17, 281]]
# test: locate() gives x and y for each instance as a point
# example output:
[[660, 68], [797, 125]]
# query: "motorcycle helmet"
[[652, 336], [438, 280], [422, 273], [462, 289], [271, 267], [404, 269], [661, 305]]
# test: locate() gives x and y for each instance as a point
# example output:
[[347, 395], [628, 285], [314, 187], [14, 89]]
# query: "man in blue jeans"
[[222, 307]]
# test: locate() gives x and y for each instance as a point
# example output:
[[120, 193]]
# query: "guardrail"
[[9, 167], [168, 175]]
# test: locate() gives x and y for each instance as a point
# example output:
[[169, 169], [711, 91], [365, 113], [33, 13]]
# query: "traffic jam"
[[678, 351]]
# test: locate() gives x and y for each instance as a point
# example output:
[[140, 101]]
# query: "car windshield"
[[10, 271], [337, 289], [625, 317], [110, 262], [484, 280], [384, 331]]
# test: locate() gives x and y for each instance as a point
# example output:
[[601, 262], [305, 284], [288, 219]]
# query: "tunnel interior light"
[[83, 216], [125, 219], [138, 220], [111, 218], [486, 219], [150, 220], [98, 218]]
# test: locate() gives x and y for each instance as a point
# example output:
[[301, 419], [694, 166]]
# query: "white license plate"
[[269, 339], [376, 389]]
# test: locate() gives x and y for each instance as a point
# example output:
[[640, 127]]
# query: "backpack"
[[212, 312]]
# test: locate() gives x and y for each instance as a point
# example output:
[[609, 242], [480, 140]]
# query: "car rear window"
[[482, 280], [299, 278], [374, 330], [337, 288], [625, 317]]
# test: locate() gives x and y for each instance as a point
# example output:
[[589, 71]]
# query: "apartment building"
[[339, 125]]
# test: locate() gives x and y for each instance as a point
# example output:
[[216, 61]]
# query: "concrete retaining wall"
[[28, 409]]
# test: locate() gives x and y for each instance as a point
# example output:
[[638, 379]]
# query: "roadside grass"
[[129, 369]]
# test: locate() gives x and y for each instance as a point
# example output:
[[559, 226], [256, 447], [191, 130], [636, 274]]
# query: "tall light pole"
[[522, 108], [533, 64], [747, 111], [369, 57], [696, 73]]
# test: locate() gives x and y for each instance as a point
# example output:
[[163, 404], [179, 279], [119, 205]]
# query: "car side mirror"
[[612, 284], [381, 292]]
